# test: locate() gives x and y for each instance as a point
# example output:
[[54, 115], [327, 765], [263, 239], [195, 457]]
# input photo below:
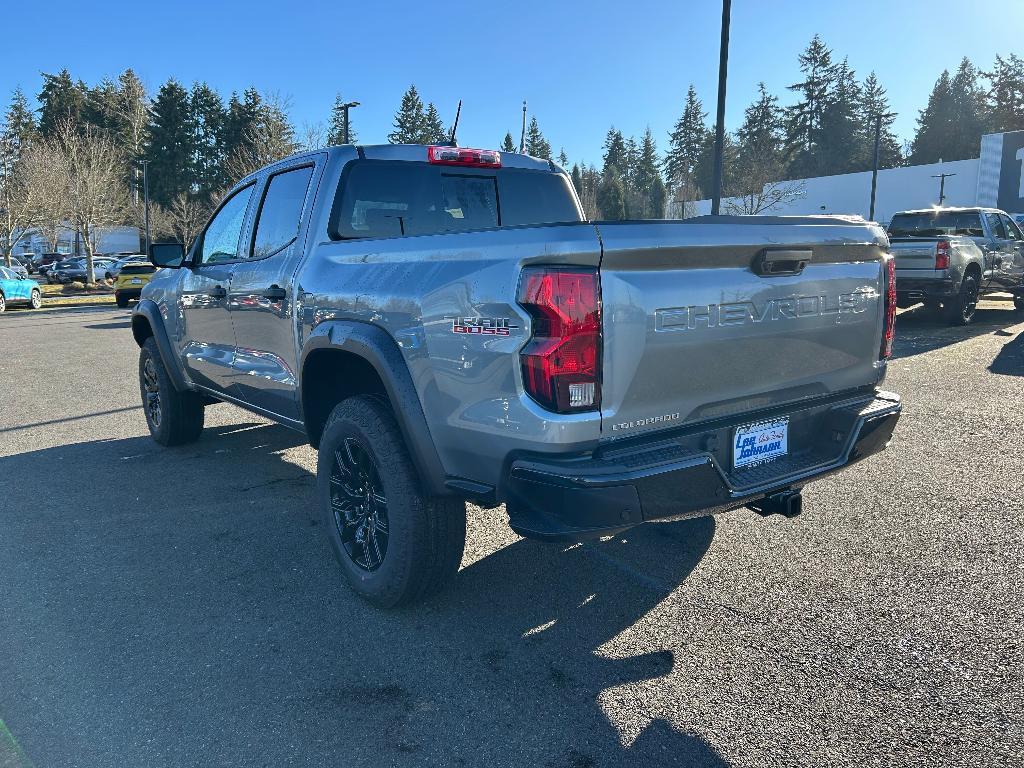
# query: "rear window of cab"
[[384, 198]]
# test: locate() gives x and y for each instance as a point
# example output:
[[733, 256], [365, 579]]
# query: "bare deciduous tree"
[[92, 191], [187, 216], [764, 199], [27, 193]]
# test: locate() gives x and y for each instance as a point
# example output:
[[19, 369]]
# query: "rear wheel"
[[1018, 303], [395, 544], [960, 309], [173, 417], [36, 300], [3, 303], [122, 301]]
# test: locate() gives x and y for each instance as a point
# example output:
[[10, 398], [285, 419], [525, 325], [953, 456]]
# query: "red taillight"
[[477, 158], [561, 362], [942, 254], [890, 308]]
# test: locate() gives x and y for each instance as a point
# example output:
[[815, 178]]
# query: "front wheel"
[[3, 303], [173, 417], [1018, 303], [960, 309], [395, 544], [36, 299]]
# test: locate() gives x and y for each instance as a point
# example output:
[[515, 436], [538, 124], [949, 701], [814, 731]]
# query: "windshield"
[[936, 223]]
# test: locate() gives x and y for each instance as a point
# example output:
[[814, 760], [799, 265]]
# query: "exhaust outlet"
[[786, 503]]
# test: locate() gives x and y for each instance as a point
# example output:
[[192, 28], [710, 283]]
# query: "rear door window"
[[380, 198], [998, 230], [1013, 231], [277, 223]]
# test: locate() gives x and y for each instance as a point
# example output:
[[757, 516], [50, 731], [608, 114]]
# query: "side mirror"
[[170, 255]]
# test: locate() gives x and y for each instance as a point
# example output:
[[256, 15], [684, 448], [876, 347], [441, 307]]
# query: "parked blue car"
[[15, 289]]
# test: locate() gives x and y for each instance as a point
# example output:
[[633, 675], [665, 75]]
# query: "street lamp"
[[723, 67], [874, 165], [145, 195], [344, 109]]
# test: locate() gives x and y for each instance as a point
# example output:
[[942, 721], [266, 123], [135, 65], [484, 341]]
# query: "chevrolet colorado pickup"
[[948, 257], [444, 325]]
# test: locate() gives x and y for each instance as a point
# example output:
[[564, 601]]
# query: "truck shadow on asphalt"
[[197, 595], [1010, 360], [919, 330]]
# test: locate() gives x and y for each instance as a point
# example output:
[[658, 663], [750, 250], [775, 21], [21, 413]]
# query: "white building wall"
[[899, 189]]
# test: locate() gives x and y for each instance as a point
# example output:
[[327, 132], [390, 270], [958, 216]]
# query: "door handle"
[[274, 292], [217, 292]]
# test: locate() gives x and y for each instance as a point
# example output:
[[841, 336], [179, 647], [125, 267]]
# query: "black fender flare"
[[377, 347], [148, 310]]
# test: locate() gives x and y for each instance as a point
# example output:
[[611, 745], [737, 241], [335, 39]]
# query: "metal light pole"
[[145, 194], [522, 136], [723, 73], [942, 184], [874, 165], [345, 108]]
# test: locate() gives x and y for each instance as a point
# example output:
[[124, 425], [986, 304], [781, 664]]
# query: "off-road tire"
[[179, 415], [425, 535], [960, 308]]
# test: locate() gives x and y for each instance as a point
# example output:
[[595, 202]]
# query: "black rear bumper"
[[921, 288], [578, 498]]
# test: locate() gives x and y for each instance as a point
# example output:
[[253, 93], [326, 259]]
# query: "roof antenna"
[[455, 125], [522, 136]]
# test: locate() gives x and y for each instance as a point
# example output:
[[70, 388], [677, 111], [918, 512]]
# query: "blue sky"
[[582, 66]]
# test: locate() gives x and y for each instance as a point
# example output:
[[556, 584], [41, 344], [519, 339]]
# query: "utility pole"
[[942, 184], [874, 165], [344, 110], [145, 195], [723, 73], [522, 135]]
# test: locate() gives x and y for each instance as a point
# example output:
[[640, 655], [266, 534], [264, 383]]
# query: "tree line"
[[196, 144]]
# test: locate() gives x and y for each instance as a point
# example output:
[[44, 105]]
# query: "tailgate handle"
[[775, 261]]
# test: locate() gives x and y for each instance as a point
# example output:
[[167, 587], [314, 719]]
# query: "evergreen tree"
[[647, 180], [336, 129], [409, 120], [685, 143], [60, 99], [19, 123], [874, 102], [934, 129], [170, 149], [100, 107], [563, 158], [841, 146], [969, 117], [241, 122], [1006, 94], [615, 155], [536, 144], [804, 119], [433, 129], [208, 120], [611, 196], [577, 179], [507, 144]]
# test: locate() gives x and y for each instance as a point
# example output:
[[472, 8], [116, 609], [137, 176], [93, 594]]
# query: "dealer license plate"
[[136, 281], [763, 441]]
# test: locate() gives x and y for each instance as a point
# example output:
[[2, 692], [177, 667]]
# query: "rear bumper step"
[[599, 494]]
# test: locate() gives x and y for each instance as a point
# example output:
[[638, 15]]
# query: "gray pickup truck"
[[948, 257], [444, 325]]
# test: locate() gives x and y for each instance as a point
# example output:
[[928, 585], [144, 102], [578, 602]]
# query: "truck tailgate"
[[692, 332], [914, 254]]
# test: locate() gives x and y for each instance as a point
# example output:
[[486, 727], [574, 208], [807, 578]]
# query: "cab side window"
[[1013, 231], [277, 222], [222, 235], [998, 230]]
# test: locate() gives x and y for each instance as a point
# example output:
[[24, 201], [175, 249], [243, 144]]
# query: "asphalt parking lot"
[[182, 608]]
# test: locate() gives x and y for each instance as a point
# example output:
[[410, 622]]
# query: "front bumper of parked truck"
[[689, 473]]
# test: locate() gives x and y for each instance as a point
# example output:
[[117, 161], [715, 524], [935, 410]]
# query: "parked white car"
[[113, 270]]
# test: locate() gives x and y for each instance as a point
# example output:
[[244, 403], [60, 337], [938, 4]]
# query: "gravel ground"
[[181, 607]]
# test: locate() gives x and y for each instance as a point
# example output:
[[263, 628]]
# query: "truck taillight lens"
[[890, 308], [942, 255], [561, 362]]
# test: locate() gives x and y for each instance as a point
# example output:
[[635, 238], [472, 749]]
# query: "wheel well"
[[330, 376], [973, 269], [141, 329]]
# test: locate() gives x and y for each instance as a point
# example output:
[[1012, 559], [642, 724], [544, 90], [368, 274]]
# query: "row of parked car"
[[62, 268]]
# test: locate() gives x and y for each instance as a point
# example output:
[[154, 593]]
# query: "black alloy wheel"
[[359, 505], [151, 385]]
